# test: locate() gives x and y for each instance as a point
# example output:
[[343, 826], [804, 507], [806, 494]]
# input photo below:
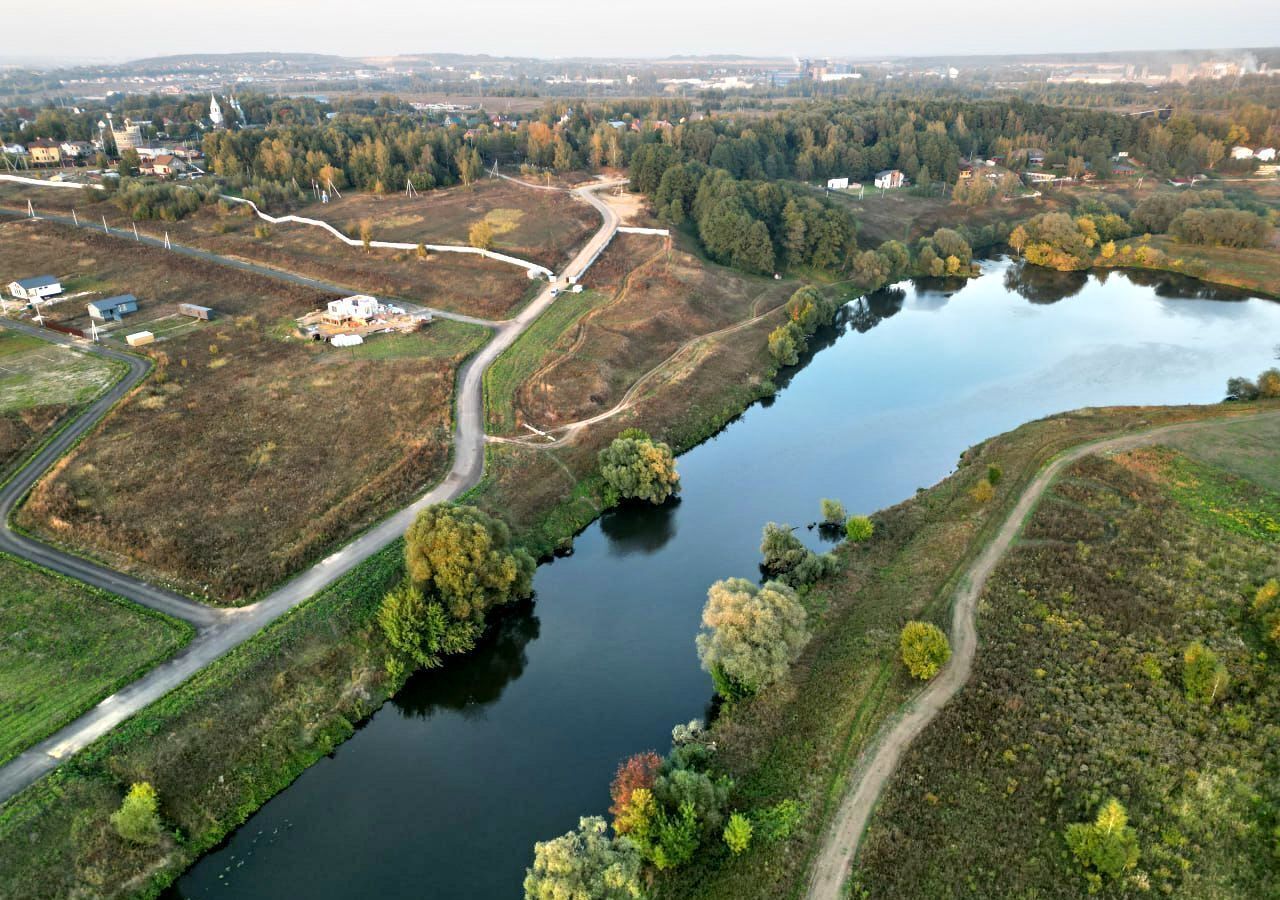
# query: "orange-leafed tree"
[[636, 772]]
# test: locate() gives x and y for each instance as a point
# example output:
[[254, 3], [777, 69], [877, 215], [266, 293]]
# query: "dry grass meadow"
[[247, 453]]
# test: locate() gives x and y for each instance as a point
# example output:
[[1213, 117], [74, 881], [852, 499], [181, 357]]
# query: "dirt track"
[[872, 773]]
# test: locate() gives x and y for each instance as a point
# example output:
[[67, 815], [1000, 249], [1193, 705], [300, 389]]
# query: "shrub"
[[859, 529], [1204, 676], [636, 467], [775, 823], [833, 513], [780, 548], [994, 474], [1107, 844], [138, 818], [750, 635], [737, 834], [677, 839], [584, 863], [925, 649], [262, 231], [982, 492]]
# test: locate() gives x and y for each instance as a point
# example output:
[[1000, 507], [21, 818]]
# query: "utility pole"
[[31, 210], [74, 218], [105, 229], [166, 241], [135, 233]]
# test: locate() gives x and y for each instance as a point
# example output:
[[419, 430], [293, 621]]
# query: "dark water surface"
[[444, 791]]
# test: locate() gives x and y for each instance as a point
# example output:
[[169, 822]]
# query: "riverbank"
[[1255, 271], [799, 742], [222, 744]]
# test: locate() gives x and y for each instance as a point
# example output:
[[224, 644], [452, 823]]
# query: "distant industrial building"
[[128, 136], [113, 307], [35, 288]]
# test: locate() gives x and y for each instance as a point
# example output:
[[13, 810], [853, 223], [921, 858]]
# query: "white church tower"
[[215, 112]]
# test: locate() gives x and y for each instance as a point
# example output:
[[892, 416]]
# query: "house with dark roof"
[[113, 307], [35, 288]]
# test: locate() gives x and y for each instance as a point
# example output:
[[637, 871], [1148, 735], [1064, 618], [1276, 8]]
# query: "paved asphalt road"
[[221, 630]]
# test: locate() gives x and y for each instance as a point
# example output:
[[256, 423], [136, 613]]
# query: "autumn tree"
[[634, 466], [138, 818], [1204, 676], [750, 634], [464, 558], [636, 773], [481, 235], [925, 649], [584, 864], [366, 234], [785, 344], [1108, 845]]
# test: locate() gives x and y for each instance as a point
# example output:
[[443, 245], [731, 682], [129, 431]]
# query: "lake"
[[444, 791]]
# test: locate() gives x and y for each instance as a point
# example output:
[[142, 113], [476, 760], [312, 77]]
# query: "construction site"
[[348, 321]]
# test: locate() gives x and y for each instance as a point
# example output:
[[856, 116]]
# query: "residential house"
[[890, 178], [45, 152], [35, 287], [837, 184], [1266, 154], [166, 165], [73, 150], [113, 307], [1241, 153]]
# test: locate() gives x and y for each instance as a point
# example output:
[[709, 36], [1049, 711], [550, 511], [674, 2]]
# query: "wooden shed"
[[195, 312]]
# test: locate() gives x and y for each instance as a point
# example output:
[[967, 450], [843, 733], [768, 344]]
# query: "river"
[[443, 792]]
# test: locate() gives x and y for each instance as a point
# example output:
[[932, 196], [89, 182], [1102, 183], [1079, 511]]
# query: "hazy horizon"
[[552, 29]]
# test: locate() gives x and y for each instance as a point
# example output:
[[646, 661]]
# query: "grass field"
[[35, 373], [65, 647], [1077, 695], [659, 301], [519, 361], [798, 741], [545, 227], [454, 281], [39, 384], [1246, 448], [246, 454], [279, 703]]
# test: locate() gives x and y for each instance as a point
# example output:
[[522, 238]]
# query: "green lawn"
[[521, 359], [442, 339], [65, 646], [35, 373], [1245, 448]]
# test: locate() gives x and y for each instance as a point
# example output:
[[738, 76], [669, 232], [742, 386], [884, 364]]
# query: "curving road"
[[850, 821], [221, 630]]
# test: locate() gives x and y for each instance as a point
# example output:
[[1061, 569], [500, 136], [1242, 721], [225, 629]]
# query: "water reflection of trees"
[[1040, 285], [640, 527], [469, 683], [1172, 286]]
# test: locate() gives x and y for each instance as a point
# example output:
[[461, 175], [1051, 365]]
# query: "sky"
[[92, 31]]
